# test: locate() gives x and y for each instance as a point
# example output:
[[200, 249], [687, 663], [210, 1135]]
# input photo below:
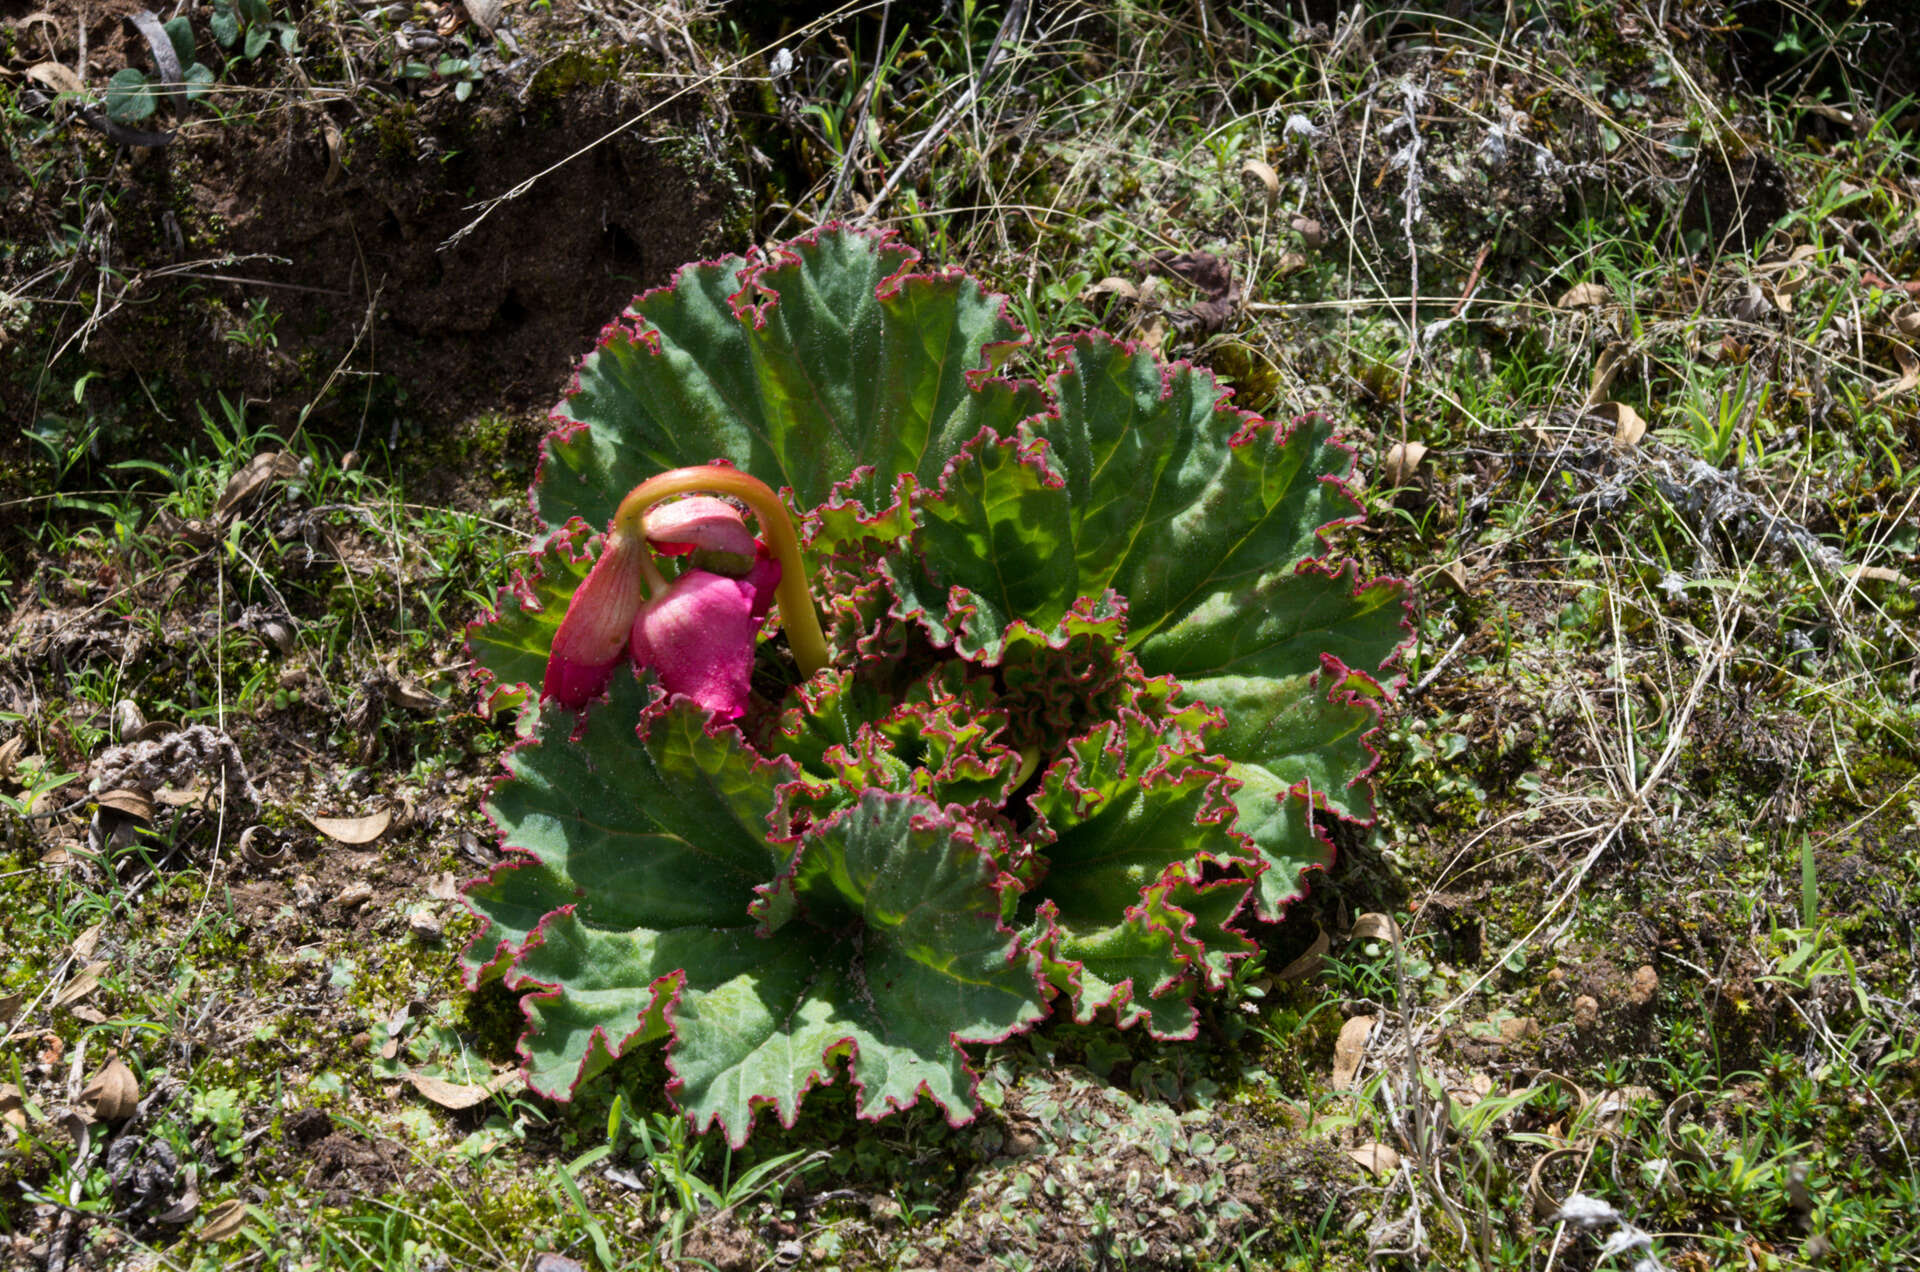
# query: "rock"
[[1645, 983]]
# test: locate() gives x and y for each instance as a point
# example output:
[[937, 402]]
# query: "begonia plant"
[[876, 704]]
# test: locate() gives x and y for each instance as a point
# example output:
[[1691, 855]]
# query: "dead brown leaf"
[[1348, 1049], [1262, 172], [1610, 1108], [224, 1220], [112, 1094], [1628, 426], [85, 943], [1545, 1204], [353, 830], [58, 77], [1478, 1087], [335, 145], [1859, 573], [127, 802], [1375, 927], [1909, 373], [1605, 368], [1378, 1158], [1112, 286], [1454, 575], [1514, 1029], [257, 474], [1585, 296], [1310, 960], [80, 986], [485, 14], [461, 1095], [13, 1107], [1402, 462], [188, 1205]]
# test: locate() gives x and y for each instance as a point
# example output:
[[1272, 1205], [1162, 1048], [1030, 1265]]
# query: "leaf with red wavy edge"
[[1321, 769], [796, 365], [842, 523], [1144, 483], [992, 546], [883, 945], [640, 905], [1061, 683], [1132, 809], [634, 810], [955, 730], [1148, 967]]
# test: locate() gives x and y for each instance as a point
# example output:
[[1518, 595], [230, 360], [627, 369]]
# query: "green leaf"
[[1128, 815], [198, 78], [1208, 521], [1202, 516], [830, 355], [1120, 814], [901, 958], [994, 545], [668, 830], [1299, 730], [652, 882], [180, 35], [129, 100], [1148, 966], [1279, 820], [257, 37], [224, 24], [1299, 750]]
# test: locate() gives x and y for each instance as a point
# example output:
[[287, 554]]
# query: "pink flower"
[[698, 635]]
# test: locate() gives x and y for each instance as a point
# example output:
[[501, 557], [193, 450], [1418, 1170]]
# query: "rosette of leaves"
[[1095, 691]]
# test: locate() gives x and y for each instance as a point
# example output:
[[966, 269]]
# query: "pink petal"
[[698, 521], [593, 635], [698, 636], [764, 578], [574, 685]]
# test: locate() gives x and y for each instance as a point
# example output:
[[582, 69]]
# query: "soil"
[[358, 223]]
